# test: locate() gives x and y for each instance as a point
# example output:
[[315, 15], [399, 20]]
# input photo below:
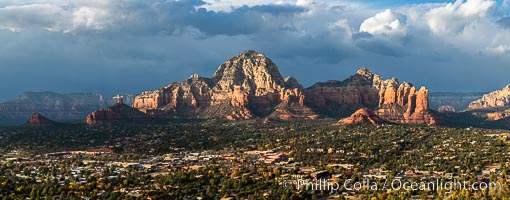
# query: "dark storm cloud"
[[176, 17], [131, 46], [368, 42]]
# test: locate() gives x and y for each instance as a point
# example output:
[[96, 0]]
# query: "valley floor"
[[253, 160]]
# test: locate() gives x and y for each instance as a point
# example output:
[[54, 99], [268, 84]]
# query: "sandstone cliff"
[[362, 116], [246, 86], [249, 85], [341, 98], [498, 98], [116, 114], [394, 102]]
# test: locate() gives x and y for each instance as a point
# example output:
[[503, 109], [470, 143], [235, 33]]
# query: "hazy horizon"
[[109, 94]]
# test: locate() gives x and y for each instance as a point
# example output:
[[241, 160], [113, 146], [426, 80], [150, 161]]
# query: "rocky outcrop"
[[249, 85], [341, 98], [246, 86], [405, 104], [394, 102], [117, 114], [493, 116], [177, 98], [39, 121], [498, 98], [53, 105], [362, 116]]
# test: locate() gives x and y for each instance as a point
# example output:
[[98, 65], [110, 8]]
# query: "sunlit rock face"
[[246, 86], [392, 101], [498, 98]]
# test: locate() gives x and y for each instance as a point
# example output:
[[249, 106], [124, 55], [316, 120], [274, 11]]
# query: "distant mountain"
[[446, 109], [246, 86], [53, 105], [458, 101]]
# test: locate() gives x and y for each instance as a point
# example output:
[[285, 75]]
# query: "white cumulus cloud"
[[499, 50], [92, 18], [453, 18], [385, 23]]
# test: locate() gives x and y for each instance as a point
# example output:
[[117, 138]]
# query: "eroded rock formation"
[[37, 120], [498, 98], [342, 98], [249, 85], [394, 102], [246, 86]]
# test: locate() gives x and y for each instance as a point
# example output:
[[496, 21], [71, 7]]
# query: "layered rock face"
[[39, 121], [116, 114], [498, 98], [393, 102], [54, 105], [342, 98], [362, 116], [404, 104], [249, 85], [245, 86], [177, 98]]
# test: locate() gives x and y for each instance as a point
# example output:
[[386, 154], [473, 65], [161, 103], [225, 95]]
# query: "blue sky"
[[129, 46]]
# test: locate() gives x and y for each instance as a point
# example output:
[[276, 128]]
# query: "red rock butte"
[[38, 120], [250, 85]]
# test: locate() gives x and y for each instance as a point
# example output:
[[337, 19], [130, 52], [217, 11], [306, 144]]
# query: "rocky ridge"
[[498, 98], [246, 86], [394, 102]]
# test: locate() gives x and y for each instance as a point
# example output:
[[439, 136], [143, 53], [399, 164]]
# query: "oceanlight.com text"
[[395, 184]]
